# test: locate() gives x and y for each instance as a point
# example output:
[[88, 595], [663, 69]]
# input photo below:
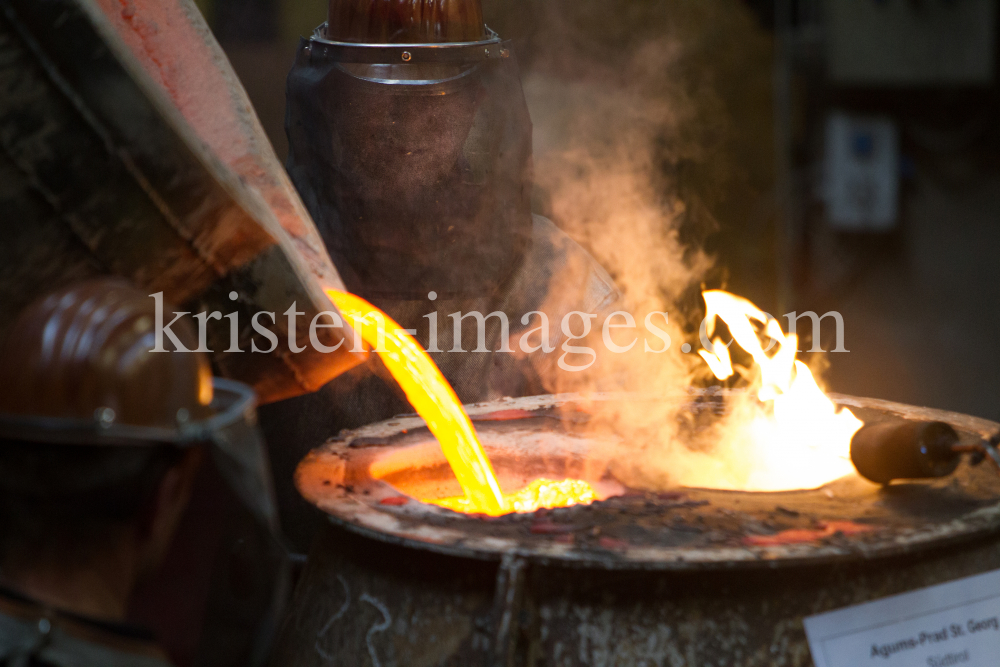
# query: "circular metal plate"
[[361, 479]]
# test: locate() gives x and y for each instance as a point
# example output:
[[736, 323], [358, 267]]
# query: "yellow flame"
[[800, 439], [718, 359], [435, 401]]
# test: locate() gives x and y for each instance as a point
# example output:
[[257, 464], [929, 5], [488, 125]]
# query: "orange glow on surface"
[[793, 437], [435, 401]]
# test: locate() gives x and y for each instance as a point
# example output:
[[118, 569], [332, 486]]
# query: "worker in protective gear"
[[100, 442], [410, 144]]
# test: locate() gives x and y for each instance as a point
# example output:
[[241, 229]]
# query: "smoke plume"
[[625, 111]]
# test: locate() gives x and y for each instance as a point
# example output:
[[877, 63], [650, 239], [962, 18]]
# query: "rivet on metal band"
[[438, 52]]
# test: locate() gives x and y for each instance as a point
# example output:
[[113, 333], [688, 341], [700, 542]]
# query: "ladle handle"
[[884, 451]]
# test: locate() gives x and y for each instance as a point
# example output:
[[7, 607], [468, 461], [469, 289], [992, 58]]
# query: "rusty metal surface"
[[366, 603], [102, 174], [691, 579], [175, 47], [680, 529]]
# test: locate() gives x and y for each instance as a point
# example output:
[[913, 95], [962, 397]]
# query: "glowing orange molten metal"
[[542, 493], [795, 438], [435, 401]]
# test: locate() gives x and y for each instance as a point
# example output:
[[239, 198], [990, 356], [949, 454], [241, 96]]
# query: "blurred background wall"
[[837, 155]]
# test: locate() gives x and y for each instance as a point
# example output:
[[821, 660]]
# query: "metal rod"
[[987, 448], [991, 451]]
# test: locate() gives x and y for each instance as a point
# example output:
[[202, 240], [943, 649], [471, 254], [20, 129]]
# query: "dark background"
[[919, 301]]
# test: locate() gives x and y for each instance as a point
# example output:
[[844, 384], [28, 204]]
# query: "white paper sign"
[[951, 625]]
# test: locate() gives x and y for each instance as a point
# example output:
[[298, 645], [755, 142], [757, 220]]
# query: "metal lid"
[[352, 478]]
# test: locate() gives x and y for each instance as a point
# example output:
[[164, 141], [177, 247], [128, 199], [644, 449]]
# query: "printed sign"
[[953, 624]]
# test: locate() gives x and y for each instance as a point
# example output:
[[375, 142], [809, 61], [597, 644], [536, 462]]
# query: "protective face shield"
[[78, 367], [415, 162], [229, 429]]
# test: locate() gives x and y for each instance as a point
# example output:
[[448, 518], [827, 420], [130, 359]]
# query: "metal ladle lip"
[[411, 54], [231, 402]]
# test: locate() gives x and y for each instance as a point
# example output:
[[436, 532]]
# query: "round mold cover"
[[369, 479]]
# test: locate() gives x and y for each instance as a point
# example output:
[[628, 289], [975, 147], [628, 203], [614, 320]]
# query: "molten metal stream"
[[435, 401]]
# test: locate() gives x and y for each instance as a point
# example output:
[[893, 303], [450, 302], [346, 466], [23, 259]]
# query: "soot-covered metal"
[[682, 576], [414, 161]]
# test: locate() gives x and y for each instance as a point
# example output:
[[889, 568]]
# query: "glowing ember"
[[795, 437], [435, 401], [542, 493]]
